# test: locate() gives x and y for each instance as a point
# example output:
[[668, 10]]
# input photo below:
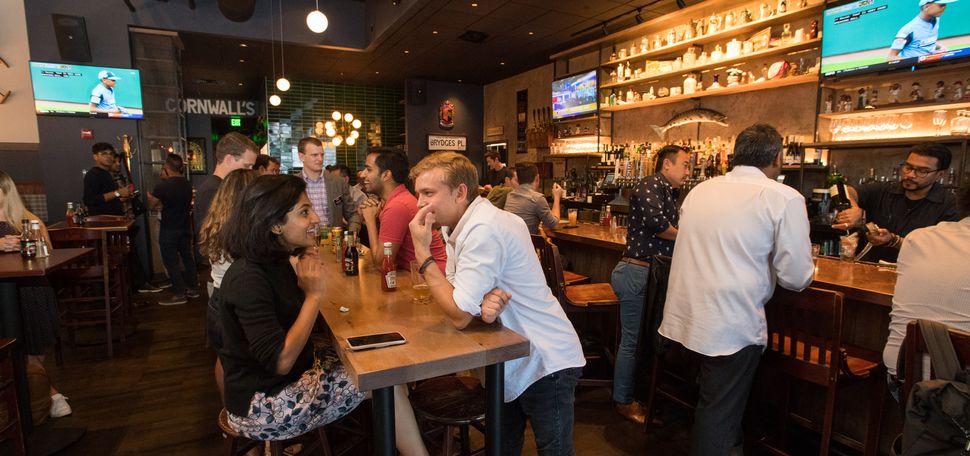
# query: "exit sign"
[[235, 121]]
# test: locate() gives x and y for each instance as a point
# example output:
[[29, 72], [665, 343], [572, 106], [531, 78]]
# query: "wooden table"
[[118, 225], [12, 267], [434, 347]]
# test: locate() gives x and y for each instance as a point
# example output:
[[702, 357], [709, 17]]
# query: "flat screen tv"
[[88, 91], [575, 95], [874, 35]]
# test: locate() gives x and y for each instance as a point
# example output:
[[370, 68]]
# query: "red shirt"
[[399, 209]]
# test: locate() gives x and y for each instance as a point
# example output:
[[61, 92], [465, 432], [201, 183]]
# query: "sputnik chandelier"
[[342, 129]]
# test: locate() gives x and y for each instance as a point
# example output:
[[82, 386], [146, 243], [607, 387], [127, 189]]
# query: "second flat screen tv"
[[89, 91], [873, 35], [574, 95]]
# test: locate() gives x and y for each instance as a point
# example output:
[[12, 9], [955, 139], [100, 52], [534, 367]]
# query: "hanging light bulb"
[[337, 140], [328, 125], [356, 123], [283, 84], [335, 115], [275, 100], [354, 134], [331, 132], [317, 21], [351, 140], [348, 117]]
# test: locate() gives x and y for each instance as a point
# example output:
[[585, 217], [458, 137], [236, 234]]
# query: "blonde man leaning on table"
[[490, 254]]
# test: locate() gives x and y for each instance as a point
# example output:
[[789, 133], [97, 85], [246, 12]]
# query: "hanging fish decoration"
[[696, 115]]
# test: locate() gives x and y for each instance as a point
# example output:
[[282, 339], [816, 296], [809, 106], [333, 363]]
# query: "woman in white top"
[[211, 247]]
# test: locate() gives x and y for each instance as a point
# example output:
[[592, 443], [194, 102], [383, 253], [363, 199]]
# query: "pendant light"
[[317, 21], [274, 99], [282, 83]]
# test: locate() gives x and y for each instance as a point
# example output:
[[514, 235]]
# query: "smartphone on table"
[[375, 341]]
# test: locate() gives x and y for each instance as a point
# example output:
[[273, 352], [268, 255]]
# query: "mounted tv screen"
[[874, 35], [88, 91], [574, 95]]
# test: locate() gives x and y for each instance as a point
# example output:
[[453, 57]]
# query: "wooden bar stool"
[[10, 426], [237, 445], [455, 402], [805, 343], [571, 278], [586, 300]]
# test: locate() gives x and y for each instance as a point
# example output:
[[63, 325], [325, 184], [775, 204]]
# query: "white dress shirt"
[[491, 248], [739, 235], [932, 282]]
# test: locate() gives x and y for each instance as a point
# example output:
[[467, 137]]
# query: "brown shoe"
[[633, 412]]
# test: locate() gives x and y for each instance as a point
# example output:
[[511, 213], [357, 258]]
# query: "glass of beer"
[[422, 294], [573, 216]]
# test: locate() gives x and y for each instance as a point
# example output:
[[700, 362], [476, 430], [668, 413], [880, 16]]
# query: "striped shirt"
[[316, 190]]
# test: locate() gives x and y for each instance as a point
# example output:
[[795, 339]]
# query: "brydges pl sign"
[[212, 107], [447, 142]]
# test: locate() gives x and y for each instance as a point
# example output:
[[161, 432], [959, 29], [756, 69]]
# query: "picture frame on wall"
[[197, 153]]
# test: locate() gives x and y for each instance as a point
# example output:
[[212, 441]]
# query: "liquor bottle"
[[388, 271], [69, 216], [28, 245], [43, 250], [607, 218], [838, 194], [351, 265], [870, 178]]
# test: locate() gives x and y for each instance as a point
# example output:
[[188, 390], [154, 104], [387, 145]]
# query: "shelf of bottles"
[[932, 105], [739, 48]]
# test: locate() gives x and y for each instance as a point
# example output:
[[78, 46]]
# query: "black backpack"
[[937, 420]]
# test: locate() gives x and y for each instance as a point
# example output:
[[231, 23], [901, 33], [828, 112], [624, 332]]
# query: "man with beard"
[[898, 208]]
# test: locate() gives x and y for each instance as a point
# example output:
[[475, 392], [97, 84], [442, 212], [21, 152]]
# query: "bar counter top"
[[866, 282]]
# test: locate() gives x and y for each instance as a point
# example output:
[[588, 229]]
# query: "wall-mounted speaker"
[[72, 38], [416, 91]]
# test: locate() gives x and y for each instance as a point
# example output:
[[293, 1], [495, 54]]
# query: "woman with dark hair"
[[277, 384]]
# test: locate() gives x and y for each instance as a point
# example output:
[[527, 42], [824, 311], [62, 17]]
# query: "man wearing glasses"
[[916, 201]]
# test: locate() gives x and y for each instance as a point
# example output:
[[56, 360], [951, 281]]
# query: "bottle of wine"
[[839, 196], [28, 244], [388, 270], [351, 256]]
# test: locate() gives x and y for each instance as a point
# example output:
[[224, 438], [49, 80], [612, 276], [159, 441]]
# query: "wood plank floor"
[[158, 396]]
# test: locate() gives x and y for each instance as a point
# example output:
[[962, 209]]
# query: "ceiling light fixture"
[[242, 45], [282, 83], [434, 32], [343, 128], [532, 33], [474, 4], [275, 100], [242, 60], [317, 21], [407, 51], [502, 63]]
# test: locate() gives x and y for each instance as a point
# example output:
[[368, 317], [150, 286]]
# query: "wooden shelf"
[[886, 142], [714, 37], [575, 155], [898, 108], [784, 82], [720, 63], [574, 137], [888, 76], [806, 167]]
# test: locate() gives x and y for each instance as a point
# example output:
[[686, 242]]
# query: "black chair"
[[668, 366]]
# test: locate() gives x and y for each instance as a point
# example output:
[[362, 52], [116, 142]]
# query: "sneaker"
[[59, 406], [174, 300], [148, 288], [192, 293]]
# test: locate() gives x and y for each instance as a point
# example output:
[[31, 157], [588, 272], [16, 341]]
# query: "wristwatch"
[[117, 195]]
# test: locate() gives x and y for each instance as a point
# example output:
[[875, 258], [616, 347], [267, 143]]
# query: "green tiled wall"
[[308, 102]]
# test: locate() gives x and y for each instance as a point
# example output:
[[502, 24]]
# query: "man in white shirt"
[[932, 280], [740, 234], [490, 254]]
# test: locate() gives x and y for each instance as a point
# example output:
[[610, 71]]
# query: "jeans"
[[630, 283], [548, 404], [725, 383], [173, 244]]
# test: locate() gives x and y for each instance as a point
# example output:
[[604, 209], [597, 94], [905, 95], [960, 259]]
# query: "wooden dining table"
[[13, 267], [356, 306]]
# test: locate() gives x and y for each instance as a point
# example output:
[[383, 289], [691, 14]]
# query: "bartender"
[[898, 208]]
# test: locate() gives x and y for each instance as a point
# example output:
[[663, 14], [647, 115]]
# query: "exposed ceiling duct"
[[237, 10]]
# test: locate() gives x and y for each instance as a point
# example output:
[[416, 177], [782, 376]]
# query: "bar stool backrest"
[[914, 347], [654, 298], [805, 333], [555, 277]]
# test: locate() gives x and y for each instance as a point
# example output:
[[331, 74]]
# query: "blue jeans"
[[175, 243], [629, 282], [548, 404]]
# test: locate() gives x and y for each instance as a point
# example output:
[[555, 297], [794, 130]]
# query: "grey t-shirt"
[[532, 207]]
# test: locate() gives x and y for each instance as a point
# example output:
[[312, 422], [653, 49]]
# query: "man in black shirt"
[[174, 194], [495, 171], [234, 151], [652, 230], [916, 201], [101, 194]]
